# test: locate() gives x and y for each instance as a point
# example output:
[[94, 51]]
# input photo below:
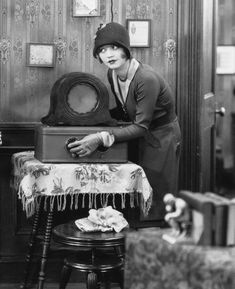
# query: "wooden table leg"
[[32, 241], [45, 249]]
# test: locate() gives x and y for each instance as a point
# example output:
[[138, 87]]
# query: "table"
[[151, 262], [33, 179], [39, 184]]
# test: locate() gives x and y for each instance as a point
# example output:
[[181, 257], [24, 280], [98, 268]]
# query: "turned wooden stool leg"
[[45, 249], [121, 278], [119, 251], [32, 241], [92, 280], [65, 274]]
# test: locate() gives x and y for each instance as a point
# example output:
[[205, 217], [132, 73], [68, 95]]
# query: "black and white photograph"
[[139, 32], [40, 54], [86, 8], [225, 59], [117, 144]]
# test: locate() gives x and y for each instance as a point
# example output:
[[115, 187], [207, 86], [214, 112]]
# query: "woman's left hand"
[[85, 146]]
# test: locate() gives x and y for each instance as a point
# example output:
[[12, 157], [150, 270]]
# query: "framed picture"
[[86, 8], [40, 54], [139, 32], [225, 59]]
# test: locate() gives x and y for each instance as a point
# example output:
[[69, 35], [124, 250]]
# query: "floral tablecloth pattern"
[[152, 263], [33, 179]]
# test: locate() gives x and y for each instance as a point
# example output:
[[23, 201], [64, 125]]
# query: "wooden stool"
[[98, 261]]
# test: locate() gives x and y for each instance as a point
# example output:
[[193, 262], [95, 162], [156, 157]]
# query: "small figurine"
[[177, 216]]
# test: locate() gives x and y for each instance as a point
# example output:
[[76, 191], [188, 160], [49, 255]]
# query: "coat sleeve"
[[146, 92], [129, 132]]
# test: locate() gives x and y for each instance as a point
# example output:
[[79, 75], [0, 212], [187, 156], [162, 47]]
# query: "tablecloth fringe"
[[31, 204]]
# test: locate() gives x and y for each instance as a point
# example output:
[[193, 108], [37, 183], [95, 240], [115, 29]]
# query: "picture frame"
[[139, 31], [40, 54], [225, 61], [86, 8]]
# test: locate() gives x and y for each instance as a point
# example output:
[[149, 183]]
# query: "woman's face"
[[112, 56]]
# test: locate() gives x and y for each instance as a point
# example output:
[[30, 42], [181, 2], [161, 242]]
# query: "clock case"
[[62, 113]]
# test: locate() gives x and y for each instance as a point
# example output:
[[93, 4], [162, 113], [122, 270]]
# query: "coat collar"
[[122, 95]]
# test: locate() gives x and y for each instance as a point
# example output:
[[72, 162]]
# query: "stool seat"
[[69, 234], [97, 260]]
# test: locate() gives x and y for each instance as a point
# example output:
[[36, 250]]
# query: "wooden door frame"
[[189, 91]]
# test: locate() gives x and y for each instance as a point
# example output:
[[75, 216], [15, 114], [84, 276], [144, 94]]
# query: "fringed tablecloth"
[[33, 179]]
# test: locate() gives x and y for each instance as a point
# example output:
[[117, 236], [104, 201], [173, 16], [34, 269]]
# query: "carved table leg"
[[45, 249], [32, 242]]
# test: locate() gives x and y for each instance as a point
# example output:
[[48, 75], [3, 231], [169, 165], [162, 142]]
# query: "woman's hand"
[[85, 146]]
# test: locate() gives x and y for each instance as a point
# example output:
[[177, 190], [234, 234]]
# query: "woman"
[[144, 98]]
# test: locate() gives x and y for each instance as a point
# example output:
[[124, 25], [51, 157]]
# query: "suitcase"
[[50, 145]]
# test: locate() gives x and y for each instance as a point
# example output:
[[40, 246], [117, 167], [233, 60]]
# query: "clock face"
[[83, 99]]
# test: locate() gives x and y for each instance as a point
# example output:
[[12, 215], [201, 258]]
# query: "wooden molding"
[[188, 101]]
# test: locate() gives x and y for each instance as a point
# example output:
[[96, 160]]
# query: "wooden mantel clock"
[[79, 105], [79, 99]]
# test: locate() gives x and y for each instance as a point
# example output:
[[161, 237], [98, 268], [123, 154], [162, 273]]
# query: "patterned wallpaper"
[[25, 91]]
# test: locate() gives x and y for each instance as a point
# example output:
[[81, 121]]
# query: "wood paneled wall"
[[225, 84], [25, 91]]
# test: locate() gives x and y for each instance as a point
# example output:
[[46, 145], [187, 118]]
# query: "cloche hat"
[[112, 33]]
